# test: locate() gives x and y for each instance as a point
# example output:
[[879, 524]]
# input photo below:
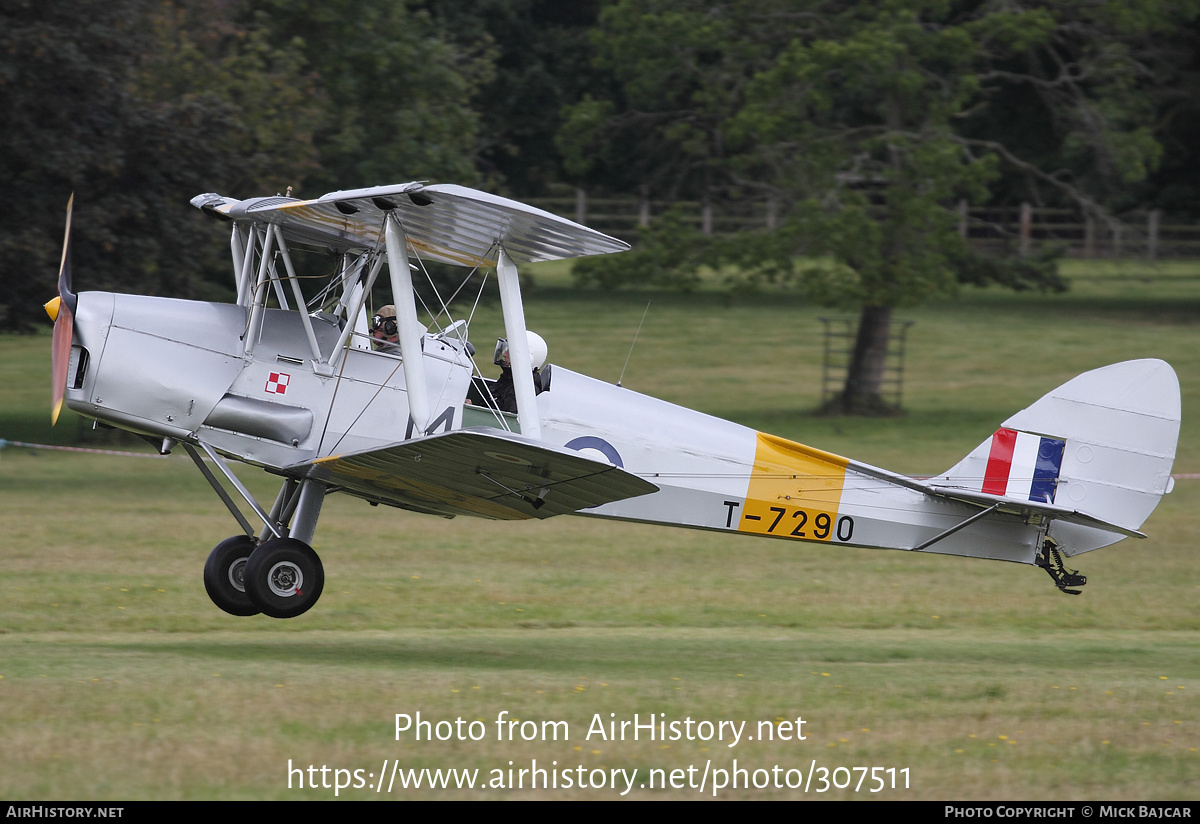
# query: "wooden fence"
[[1019, 230]]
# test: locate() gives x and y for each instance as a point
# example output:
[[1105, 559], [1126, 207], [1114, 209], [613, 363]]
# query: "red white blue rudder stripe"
[[1023, 465]]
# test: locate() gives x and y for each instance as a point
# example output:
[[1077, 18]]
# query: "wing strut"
[[410, 329], [354, 307], [241, 263], [518, 346], [258, 297], [301, 309]]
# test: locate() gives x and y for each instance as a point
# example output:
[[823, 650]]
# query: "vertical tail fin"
[[1102, 444]]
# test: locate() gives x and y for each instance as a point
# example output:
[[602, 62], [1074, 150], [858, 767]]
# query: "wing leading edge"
[[479, 472], [447, 223]]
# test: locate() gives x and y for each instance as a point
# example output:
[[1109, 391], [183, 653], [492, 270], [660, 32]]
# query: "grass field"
[[120, 680]]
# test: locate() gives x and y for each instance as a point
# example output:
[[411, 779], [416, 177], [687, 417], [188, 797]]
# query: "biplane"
[[294, 385]]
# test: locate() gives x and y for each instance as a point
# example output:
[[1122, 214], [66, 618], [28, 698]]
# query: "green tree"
[[228, 57], [855, 127], [75, 84], [865, 122], [396, 91], [542, 61], [679, 69], [136, 106]]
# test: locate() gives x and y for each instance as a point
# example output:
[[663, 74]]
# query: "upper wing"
[[482, 472], [447, 223]]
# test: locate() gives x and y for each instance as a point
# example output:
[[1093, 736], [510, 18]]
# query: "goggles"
[[388, 325]]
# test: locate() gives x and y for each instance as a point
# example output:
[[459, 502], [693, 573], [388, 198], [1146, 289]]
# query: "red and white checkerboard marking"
[[277, 383]]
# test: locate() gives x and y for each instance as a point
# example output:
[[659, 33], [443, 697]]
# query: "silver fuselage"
[[180, 370]]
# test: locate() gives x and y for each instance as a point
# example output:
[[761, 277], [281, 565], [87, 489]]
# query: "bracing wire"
[[635, 337]]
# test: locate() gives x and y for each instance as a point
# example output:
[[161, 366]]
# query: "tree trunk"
[[863, 393]]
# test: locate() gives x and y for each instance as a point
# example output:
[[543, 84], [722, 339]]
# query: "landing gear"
[[284, 577], [1050, 559], [224, 572], [276, 573]]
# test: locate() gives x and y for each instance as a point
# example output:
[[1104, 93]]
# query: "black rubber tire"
[[224, 572], [284, 577]]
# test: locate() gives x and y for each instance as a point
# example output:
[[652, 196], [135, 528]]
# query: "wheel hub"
[[285, 579], [237, 575]]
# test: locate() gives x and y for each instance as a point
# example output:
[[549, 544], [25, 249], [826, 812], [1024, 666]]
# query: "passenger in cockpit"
[[503, 390]]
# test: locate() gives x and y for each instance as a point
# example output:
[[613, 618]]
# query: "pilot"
[[385, 333], [503, 390]]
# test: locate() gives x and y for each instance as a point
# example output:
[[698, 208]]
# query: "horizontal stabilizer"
[[482, 472], [1029, 511]]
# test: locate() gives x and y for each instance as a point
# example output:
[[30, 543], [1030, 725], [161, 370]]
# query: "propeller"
[[62, 311]]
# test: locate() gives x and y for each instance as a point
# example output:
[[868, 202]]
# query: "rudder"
[[1102, 444]]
